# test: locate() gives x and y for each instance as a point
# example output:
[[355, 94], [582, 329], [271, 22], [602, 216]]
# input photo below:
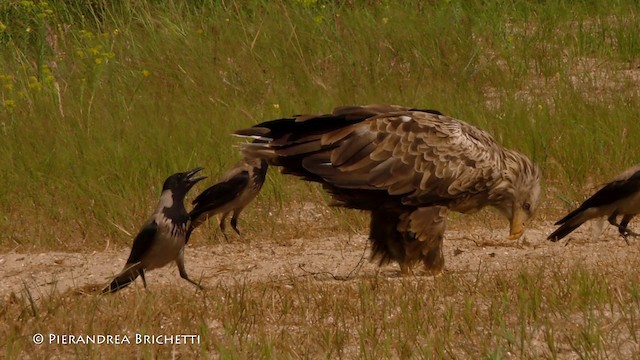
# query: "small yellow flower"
[[8, 103], [385, 20], [276, 106], [95, 50], [35, 86], [28, 29], [98, 61], [80, 53], [145, 73], [87, 35], [8, 86]]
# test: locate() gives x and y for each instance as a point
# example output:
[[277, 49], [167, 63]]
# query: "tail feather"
[[126, 277], [563, 231], [570, 216]]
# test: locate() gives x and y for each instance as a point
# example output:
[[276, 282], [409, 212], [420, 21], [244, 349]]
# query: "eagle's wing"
[[423, 156]]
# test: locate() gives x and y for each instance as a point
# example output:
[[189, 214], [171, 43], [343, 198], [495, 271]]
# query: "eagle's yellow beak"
[[517, 224]]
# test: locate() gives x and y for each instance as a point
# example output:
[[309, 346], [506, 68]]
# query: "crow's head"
[[180, 183]]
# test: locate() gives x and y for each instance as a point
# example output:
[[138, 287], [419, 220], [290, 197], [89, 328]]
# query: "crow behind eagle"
[[408, 167]]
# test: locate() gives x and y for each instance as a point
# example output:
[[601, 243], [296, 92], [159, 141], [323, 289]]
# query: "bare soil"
[[333, 258]]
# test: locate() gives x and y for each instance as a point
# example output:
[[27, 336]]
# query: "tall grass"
[[101, 100]]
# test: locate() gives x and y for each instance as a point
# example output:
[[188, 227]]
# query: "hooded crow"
[[162, 238], [235, 190], [620, 196]]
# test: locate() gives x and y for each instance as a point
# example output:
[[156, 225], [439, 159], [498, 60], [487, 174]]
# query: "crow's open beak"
[[192, 181]]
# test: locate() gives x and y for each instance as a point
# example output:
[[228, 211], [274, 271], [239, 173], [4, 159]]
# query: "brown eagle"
[[409, 167]]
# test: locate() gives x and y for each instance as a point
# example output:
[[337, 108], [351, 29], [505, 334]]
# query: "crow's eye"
[[526, 206]]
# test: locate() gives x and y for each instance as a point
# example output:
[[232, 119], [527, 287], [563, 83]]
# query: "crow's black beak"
[[191, 180]]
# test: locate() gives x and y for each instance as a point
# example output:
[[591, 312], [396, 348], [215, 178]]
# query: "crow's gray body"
[[163, 236]]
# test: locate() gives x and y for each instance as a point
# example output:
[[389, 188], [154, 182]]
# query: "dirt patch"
[[328, 258]]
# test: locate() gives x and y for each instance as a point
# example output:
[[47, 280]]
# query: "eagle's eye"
[[526, 206]]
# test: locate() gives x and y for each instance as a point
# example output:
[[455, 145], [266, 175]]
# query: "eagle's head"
[[518, 192]]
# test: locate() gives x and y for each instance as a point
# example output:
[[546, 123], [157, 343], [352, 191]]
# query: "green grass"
[[100, 103]]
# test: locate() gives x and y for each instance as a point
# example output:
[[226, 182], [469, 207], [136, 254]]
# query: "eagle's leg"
[[423, 231], [405, 269], [433, 259], [144, 281]]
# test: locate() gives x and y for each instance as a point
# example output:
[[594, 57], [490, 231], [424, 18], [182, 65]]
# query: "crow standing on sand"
[[162, 238], [408, 167], [233, 192], [620, 196]]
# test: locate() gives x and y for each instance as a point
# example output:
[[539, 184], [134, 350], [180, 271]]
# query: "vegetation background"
[[101, 100]]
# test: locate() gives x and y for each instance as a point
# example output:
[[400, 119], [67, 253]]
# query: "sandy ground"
[[330, 258]]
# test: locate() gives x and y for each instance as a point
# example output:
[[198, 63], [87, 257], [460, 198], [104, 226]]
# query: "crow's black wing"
[[218, 195], [143, 242]]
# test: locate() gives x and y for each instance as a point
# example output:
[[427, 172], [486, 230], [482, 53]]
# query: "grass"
[[534, 312], [100, 101]]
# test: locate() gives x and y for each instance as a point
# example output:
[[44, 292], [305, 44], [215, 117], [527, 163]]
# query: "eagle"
[[408, 167], [618, 197]]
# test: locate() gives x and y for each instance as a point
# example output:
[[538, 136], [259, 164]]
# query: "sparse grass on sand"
[[532, 312]]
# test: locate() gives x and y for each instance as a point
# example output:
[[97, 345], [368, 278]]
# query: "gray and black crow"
[[232, 193], [162, 238], [620, 196]]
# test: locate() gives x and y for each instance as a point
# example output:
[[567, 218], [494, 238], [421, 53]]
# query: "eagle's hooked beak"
[[517, 224]]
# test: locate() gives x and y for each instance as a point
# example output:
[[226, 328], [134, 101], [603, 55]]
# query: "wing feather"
[[143, 242], [419, 155]]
